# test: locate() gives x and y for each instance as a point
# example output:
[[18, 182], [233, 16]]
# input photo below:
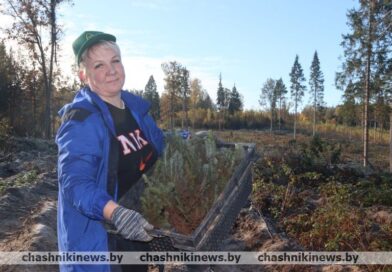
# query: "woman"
[[106, 141]]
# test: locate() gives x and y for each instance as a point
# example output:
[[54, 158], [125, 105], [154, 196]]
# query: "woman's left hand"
[[131, 224]]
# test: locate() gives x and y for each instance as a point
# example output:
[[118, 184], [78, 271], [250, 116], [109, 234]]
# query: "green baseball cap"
[[87, 39]]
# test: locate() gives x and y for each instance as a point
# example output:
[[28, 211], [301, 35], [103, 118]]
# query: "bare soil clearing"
[[28, 202]]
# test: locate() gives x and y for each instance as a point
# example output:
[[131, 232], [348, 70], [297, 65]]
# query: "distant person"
[[106, 141], [186, 134]]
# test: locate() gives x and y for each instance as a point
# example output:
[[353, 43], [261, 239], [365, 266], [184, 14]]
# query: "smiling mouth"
[[113, 81]]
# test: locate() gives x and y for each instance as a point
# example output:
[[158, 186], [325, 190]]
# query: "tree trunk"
[[279, 113], [47, 93], [184, 123], [366, 128], [172, 112], [34, 106], [183, 116], [295, 121], [53, 41], [186, 116], [12, 106], [314, 113], [48, 75], [193, 116], [390, 140], [367, 92]]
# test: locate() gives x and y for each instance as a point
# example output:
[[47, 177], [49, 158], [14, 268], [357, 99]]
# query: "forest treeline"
[[33, 87]]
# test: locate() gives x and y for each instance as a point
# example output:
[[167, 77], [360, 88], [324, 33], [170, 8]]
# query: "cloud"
[[138, 70]]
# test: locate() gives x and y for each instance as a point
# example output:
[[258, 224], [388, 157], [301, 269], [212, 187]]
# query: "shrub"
[[186, 181]]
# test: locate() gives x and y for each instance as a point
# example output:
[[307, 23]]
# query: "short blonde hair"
[[103, 43]]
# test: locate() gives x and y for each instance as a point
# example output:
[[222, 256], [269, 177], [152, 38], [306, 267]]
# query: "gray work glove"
[[131, 225]]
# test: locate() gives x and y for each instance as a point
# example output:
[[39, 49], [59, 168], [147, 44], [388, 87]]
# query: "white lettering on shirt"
[[126, 144], [139, 138], [134, 143]]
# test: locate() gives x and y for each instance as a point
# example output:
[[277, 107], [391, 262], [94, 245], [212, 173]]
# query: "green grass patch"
[[19, 180]]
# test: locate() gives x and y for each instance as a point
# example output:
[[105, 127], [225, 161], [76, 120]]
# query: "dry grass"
[[321, 204], [352, 148]]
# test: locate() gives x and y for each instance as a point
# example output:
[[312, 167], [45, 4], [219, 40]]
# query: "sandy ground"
[[28, 220]]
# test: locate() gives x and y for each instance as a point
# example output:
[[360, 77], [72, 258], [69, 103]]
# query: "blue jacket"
[[85, 143]]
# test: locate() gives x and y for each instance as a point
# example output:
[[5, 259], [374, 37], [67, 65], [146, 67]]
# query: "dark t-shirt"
[[137, 155]]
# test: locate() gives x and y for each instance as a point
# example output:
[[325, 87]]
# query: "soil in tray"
[[186, 181]]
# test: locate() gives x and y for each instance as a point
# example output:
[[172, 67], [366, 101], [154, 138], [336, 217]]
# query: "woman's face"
[[104, 71]]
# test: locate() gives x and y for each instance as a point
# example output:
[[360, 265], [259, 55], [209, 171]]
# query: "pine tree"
[[297, 88], [348, 109], [281, 91], [186, 182], [220, 95], [268, 97], [235, 102], [32, 86], [206, 101], [316, 83], [367, 55], [15, 81], [151, 94], [137, 92], [221, 100]]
